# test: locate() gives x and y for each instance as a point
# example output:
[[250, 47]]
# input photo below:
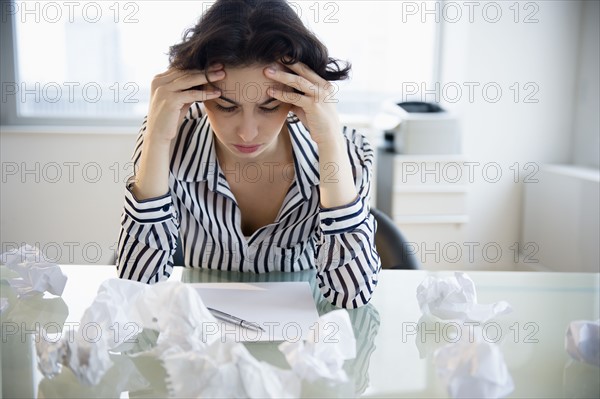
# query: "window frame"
[[8, 113]]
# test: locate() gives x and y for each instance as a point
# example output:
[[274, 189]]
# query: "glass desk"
[[393, 358]]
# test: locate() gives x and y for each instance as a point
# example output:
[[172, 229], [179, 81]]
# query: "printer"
[[415, 127]]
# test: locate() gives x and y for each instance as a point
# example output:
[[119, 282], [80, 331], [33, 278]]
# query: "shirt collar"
[[194, 158]]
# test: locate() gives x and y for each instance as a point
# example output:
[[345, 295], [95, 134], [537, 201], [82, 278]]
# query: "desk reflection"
[[32, 312], [126, 375], [20, 321]]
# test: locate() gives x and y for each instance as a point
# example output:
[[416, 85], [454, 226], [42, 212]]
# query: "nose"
[[248, 129]]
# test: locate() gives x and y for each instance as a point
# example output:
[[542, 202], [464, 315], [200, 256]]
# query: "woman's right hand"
[[171, 95]]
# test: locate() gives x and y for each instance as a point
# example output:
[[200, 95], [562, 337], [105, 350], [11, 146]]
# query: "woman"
[[243, 154]]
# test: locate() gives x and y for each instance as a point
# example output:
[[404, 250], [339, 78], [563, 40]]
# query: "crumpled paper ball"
[[582, 341], [36, 274], [324, 353], [455, 298], [473, 370]]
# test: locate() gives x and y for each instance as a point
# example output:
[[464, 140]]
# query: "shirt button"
[[328, 221], [166, 207]]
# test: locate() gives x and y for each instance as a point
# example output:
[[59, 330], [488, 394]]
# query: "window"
[[91, 61]]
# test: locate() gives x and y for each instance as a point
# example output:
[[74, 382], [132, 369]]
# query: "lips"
[[247, 149]]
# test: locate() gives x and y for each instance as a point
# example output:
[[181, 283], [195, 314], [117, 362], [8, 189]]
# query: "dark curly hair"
[[240, 33]]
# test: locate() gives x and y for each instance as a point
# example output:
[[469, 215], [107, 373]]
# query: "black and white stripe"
[[338, 242]]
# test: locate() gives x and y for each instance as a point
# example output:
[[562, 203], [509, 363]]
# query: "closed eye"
[[270, 109], [225, 109], [232, 109]]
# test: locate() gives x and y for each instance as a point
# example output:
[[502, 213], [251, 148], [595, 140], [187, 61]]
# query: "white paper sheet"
[[285, 310]]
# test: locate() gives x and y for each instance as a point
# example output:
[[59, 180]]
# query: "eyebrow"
[[268, 101]]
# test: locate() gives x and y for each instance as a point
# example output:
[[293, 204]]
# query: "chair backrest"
[[178, 255], [391, 245]]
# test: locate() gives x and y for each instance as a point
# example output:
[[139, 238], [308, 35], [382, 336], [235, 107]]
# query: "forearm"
[[348, 264], [336, 179], [152, 175], [149, 230]]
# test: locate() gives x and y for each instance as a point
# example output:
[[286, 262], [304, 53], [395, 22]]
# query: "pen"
[[234, 320]]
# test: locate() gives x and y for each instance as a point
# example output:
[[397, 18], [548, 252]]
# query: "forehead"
[[247, 84], [246, 73]]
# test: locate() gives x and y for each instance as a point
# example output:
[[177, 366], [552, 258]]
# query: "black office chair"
[[391, 245], [178, 255]]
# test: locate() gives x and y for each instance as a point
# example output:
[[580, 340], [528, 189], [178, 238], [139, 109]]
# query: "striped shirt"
[[338, 242]]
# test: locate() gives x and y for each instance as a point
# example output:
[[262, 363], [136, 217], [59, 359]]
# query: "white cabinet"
[[426, 196], [561, 220]]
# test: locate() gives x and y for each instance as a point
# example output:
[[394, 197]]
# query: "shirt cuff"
[[151, 210], [343, 219]]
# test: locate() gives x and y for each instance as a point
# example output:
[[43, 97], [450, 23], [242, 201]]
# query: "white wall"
[[506, 132], [561, 211], [586, 123], [63, 205]]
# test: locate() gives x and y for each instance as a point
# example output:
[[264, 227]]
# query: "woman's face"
[[246, 121]]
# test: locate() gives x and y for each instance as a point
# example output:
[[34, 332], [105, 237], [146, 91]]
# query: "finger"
[[166, 77], [215, 67], [325, 88], [191, 96], [289, 97], [167, 72], [195, 79], [294, 81], [304, 71], [173, 73]]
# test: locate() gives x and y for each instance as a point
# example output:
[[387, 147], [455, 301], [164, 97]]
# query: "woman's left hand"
[[316, 107]]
